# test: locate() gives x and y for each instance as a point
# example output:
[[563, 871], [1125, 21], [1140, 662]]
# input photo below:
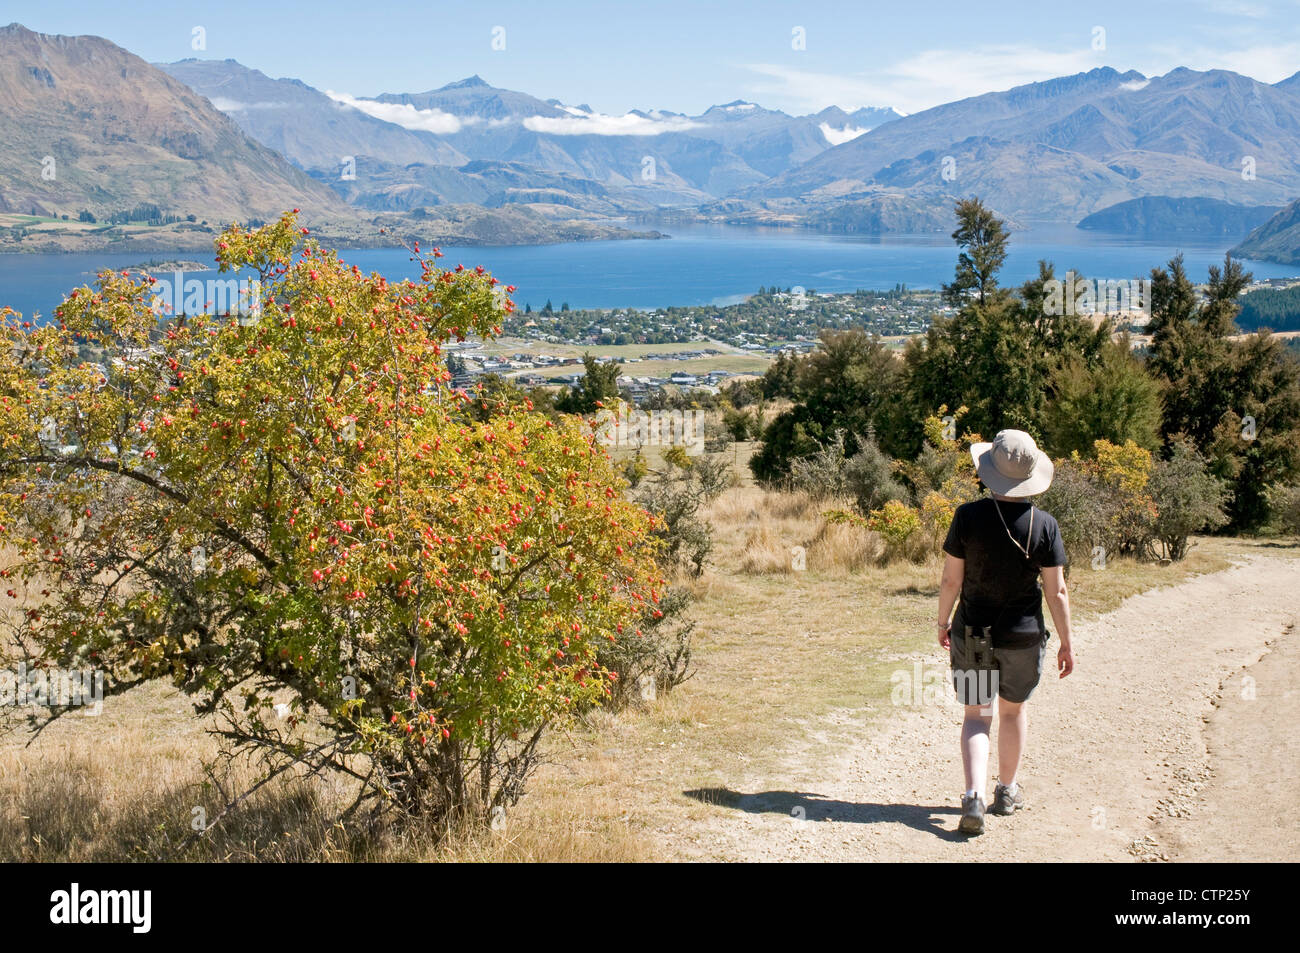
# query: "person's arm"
[[954, 570], [1058, 603]]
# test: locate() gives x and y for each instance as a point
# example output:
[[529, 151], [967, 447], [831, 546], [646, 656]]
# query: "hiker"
[[998, 546]]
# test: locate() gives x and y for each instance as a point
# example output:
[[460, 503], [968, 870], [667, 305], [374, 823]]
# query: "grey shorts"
[[1010, 673]]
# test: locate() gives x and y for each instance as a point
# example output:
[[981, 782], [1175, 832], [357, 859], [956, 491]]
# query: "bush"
[[1284, 505], [659, 650], [1083, 508], [1114, 399], [869, 478], [866, 477], [897, 524], [1123, 473], [822, 474], [742, 424], [304, 509], [844, 384], [1188, 499], [674, 497]]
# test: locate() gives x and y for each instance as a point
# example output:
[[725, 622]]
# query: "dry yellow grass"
[[785, 532], [844, 547]]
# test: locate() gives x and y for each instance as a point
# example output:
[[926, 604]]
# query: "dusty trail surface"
[[1173, 740]]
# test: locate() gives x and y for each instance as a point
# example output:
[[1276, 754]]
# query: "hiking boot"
[[1007, 800], [972, 815]]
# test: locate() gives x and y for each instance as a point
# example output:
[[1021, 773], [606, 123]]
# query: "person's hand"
[[945, 636], [1065, 660]]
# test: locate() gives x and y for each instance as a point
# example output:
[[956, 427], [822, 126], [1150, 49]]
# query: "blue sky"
[[685, 55]]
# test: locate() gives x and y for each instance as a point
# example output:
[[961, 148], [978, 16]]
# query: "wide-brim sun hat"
[[1012, 465]]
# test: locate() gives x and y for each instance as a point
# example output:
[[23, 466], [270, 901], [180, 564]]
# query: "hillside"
[[1161, 214], [1277, 240], [727, 147], [86, 125], [385, 186]]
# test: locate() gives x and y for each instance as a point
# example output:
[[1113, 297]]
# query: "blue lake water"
[[700, 264]]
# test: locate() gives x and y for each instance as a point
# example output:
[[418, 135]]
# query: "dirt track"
[[1152, 750]]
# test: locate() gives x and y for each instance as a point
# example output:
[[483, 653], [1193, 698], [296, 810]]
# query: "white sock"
[[1011, 787], [971, 793]]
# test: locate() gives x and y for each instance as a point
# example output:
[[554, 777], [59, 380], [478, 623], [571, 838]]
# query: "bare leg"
[[975, 747], [1013, 725]]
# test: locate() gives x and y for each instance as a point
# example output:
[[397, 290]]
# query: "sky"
[[686, 55]]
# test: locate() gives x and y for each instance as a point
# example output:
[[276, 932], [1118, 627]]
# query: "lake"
[[700, 264]]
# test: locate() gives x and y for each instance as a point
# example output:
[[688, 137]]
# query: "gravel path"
[[1174, 739]]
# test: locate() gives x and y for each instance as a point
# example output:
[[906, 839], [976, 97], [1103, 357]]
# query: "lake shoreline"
[[703, 265]]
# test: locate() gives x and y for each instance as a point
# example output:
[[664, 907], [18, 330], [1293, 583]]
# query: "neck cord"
[[1029, 541]]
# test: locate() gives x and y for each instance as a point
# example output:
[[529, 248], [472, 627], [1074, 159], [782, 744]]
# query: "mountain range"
[[1063, 149], [641, 160], [1212, 151]]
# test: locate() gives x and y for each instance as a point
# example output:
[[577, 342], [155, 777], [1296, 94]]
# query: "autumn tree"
[[296, 520]]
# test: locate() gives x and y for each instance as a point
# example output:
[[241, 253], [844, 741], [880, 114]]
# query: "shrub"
[[844, 384], [297, 505], [1123, 472], [659, 649], [869, 478], [1112, 398], [1284, 505], [674, 497], [741, 424], [1188, 499], [1083, 508], [822, 474], [897, 524]]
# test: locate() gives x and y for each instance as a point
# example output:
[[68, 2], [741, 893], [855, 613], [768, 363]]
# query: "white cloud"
[[932, 77], [1268, 63], [840, 136], [402, 114], [926, 79], [1134, 85], [579, 123]]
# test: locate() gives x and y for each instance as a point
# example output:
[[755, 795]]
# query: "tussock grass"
[[766, 552], [843, 547]]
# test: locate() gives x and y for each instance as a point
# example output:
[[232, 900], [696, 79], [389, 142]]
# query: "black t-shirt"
[[1001, 587]]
